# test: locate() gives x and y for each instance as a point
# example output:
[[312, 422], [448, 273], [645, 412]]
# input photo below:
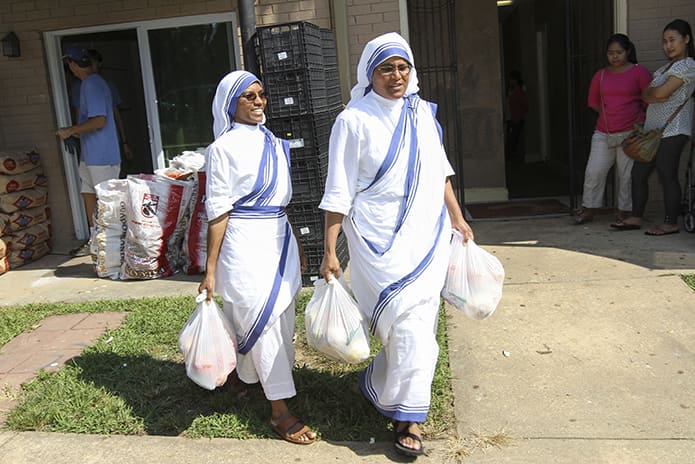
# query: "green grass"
[[690, 280], [135, 384]]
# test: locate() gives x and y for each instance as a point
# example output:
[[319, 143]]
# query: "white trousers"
[[601, 159], [271, 359]]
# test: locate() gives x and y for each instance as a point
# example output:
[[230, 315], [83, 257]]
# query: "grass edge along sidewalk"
[[132, 381]]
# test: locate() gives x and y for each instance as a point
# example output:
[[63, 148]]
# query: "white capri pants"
[[601, 159]]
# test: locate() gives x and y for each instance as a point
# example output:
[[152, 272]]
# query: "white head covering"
[[376, 52], [226, 97]]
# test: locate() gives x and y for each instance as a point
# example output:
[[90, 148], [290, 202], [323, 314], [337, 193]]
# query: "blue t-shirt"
[[75, 93], [100, 147]]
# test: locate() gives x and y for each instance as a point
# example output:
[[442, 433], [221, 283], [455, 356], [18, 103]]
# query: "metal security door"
[[589, 23], [433, 40]]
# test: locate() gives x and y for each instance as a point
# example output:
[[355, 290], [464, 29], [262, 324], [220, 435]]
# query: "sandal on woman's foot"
[[583, 215], [291, 429], [658, 231], [400, 447], [621, 225]]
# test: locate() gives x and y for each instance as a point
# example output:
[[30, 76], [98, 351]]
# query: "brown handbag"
[[642, 145]]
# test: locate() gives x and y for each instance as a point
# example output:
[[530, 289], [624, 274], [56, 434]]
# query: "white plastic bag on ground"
[[334, 324], [474, 279], [208, 345]]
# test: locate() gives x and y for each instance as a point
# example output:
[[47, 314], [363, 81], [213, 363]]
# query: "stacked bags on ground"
[[24, 215], [149, 225]]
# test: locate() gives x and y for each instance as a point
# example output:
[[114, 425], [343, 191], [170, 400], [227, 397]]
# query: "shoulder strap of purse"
[[675, 113], [603, 106]]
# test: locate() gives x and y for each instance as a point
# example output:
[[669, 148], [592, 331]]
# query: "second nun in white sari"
[[253, 257], [388, 188]]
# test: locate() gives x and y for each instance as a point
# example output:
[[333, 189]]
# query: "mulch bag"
[[474, 279], [24, 199], [334, 324], [156, 226], [110, 225], [22, 181], [31, 236], [208, 345], [17, 162], [195, 241], [21, 256], [23, 218]]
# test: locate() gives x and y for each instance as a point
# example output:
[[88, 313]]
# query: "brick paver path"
[[55, 341]]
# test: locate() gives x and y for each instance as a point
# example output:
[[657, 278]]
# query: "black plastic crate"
[[308, 185], [334, 95], [308, 133], [285, 47], [330, 55], [308, 221], [314, 255], [296, 93]]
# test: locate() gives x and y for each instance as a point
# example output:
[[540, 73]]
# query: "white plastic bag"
[[334, 324], [208, 345], [474, 279]]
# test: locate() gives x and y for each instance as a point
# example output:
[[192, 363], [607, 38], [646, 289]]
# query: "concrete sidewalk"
[[590, 357]]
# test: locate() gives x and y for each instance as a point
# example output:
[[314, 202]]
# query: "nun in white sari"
[[253, 256], [388, 188]]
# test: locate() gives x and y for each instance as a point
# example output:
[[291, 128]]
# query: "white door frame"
[[62, 105]]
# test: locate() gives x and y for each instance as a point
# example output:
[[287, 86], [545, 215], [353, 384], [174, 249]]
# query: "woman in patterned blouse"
[[672, 85]]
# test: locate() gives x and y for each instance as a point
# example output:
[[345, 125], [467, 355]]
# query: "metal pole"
[[569, 63], [247, 24]]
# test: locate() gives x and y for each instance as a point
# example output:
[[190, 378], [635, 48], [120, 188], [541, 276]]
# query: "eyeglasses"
[[252, 96], [389, 69]]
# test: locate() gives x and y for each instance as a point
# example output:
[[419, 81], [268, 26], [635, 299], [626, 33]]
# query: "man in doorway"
[[100, 155], [97, 65]]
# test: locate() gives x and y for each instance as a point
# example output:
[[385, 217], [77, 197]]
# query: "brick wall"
[[368, 19], [646, 21]]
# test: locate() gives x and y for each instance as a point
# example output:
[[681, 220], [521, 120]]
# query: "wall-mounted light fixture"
[[504, 2], [10, 45]]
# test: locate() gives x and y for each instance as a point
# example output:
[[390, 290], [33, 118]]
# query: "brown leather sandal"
[[291, 429]]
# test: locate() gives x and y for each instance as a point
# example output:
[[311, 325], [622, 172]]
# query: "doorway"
[[550, 46], [121, 63], [166, 72]]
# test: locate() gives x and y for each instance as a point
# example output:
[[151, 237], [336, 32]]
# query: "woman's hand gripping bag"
[[208, 345], [334, 324], [474, 279]]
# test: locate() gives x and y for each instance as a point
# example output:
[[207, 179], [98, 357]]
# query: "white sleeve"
[[219, 197], [684, 70], [343, 167]]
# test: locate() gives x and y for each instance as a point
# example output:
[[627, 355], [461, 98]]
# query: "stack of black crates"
[[300, 72]]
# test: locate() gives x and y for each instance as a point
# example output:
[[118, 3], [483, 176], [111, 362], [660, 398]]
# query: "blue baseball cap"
[[77, 54]]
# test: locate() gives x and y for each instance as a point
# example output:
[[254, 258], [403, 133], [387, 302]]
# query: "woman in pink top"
[[616, 95]]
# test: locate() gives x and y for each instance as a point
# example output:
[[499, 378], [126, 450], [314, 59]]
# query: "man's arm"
[[90, 125]]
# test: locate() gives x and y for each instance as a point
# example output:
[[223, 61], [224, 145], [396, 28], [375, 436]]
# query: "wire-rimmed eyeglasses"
[[390, 70]]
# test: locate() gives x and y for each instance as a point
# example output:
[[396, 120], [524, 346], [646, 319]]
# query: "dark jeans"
[[666, 163], [514, 149]]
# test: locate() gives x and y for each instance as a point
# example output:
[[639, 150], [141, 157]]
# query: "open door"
[[166, 72]]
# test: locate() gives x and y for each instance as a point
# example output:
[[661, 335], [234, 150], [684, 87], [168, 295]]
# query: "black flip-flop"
[[402, 449], [625, 226]]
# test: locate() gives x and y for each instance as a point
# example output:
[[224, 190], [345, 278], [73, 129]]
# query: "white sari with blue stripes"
[[258, 270], [387, 173]]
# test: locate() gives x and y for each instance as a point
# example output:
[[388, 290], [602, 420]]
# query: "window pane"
[[187, 63]]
